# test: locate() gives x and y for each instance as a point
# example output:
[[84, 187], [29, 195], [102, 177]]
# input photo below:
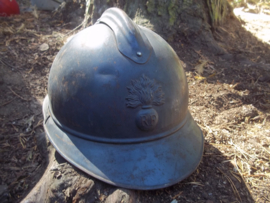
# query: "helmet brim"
[[143, 166]]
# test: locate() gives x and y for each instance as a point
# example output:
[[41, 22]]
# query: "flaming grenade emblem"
[[145, 92]]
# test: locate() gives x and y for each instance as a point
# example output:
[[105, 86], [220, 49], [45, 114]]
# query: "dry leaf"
[[14, 38], [240, 165], [21, 28], [35, 12], [7, 31], [210, 76], [199, 67], [44, 47], [183, 64], [199, 77]]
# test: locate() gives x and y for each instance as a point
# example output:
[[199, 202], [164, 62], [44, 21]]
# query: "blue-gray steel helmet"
[[117, 106]]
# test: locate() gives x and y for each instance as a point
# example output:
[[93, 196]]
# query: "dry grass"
[[241, 132]]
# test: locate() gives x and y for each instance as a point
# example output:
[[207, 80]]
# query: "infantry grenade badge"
[[146, 93]]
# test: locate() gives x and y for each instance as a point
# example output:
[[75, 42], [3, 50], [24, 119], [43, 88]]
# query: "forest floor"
[[229, 98]]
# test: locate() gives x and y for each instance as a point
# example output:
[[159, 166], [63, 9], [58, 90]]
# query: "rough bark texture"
[[174, 20]]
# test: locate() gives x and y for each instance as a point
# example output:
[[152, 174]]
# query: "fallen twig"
[[40, 123], [264, 148], [7, 64], [235, 175], [175, 196], [7, 102], [235, 191], [22, 141], [242, 177], [195, 183], [14, 38], [257, 175], [245, 154], [17, 95], [85, 20], [266, 198]]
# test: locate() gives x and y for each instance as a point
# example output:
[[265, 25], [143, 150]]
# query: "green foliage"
[[161, 7], [218, 10], [187, 3], [150, 6], [172, 9]]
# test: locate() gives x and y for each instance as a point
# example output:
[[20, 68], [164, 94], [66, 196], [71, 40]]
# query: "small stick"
[[256, 175], [7, 102], [235, 175], [7, 64], [242, 176], [266, 198], [85, 20], [17, 95], [232, 185], [38, 124], [245, 154], [219, 144], [175, 196], [264, 149], [195, 183], [22, 142]]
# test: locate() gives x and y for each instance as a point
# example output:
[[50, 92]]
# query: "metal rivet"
[[139, 54]]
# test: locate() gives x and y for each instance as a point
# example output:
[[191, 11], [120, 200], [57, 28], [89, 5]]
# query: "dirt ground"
[[229, 99]]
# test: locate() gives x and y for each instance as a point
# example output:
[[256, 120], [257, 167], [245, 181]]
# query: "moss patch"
[[161, 8], [187, 3], [150, 6], [172, 9]]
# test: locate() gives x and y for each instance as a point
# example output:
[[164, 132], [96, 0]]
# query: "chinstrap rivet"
[[139, 54]]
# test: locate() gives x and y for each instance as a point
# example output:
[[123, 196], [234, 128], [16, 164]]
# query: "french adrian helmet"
[[117, 106]]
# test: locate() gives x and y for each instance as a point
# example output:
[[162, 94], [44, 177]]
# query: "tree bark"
[[174, 20]]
